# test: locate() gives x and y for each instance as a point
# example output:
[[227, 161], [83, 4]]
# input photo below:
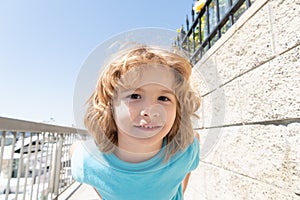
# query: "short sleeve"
[[196, 154], [77, 162]]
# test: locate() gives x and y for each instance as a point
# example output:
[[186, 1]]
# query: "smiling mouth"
[[148, 127]]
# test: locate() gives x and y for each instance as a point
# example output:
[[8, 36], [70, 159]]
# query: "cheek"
[[125, 112], [121, 113], [171, 115], [133, 111]]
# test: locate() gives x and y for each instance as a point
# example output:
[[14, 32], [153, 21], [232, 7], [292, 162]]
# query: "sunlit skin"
[[144, 114]]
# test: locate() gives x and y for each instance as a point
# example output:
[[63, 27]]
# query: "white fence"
[[34, 159]]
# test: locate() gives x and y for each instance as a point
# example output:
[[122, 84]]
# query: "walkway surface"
[[79, 191], [85, 192]]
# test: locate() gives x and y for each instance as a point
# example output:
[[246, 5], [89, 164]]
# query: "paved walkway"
[[85, 192]]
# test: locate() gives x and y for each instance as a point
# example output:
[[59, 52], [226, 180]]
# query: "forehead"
[[148, 74]]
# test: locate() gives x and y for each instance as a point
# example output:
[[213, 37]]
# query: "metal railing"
[[213, 20], [34, 159]]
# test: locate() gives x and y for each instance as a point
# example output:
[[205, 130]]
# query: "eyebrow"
[[168, 91], [162, 91]]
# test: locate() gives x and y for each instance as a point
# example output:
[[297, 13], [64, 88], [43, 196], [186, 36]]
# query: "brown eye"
[[163, 98], [135, 96]]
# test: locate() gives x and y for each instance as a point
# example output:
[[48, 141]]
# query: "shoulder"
[[84, 148], [194, 152], [83, 160], [196, 142], [191, 152], [195, 145], [74, 146], [77, 161]]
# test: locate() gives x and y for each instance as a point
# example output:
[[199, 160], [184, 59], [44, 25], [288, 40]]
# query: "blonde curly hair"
[[99, 118]]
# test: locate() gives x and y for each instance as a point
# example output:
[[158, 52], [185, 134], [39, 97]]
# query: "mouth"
[[148, 127]]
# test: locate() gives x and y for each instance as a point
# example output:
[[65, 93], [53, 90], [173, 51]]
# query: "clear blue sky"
[[44, 43]]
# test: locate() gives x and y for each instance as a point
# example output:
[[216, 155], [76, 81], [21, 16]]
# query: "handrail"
[[34, 159], [9, 124]]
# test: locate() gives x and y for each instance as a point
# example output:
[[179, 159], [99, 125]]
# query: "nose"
[[150, 111]]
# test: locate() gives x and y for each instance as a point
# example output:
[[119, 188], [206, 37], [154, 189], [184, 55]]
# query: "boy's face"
[[146, 107]]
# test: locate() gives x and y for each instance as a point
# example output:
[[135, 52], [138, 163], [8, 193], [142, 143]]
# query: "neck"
[[130, 150]]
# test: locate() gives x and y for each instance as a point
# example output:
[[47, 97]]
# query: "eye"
[[163, 98], [134, 96]]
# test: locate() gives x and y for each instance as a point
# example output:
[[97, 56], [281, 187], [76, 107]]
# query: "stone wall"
[[250, 115]]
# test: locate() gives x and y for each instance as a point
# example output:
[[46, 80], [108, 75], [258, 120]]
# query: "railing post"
[[58, 163], [187, 24], [208, 24], [193, 32], [20, 168], [182, 33], [36, 152], [40, 169], [231, 15], [3, 137], [55, 172], [218, 17], [11, 162], [27, 165], [248, 3], [187, 37]]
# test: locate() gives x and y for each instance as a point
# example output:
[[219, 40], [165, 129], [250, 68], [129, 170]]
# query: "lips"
[[148, 127]]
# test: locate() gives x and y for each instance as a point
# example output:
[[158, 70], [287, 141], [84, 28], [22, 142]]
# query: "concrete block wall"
[[250, 114]]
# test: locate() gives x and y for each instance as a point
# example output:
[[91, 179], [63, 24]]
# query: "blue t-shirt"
[[115, 179]]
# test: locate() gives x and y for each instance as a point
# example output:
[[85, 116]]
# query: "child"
[[140, 118]]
